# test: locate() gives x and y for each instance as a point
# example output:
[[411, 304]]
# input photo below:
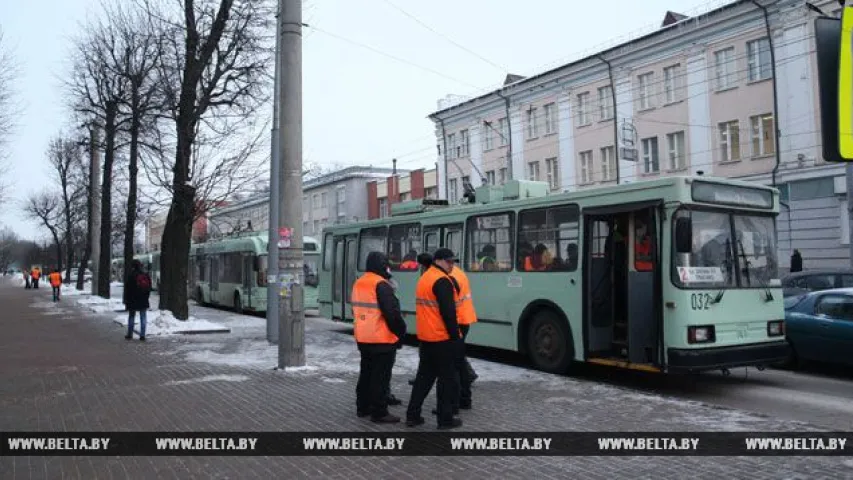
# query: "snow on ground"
[[164, 323], [210, 378]]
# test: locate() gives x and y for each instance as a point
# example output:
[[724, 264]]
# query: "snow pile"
[[165, 323], [101, 305], [71, 290], [210, 378]]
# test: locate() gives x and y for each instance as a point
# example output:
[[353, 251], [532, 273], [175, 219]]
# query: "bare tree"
[[45, 209], [8, 243], [8, 105], [65, 158], [98, 94], [214, 71]]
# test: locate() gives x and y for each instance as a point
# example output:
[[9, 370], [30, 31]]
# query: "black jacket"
[[135, 298], [444, 290], [389, 305]]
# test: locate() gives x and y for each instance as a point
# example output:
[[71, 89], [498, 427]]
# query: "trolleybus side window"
[[404, 245], [431, 241], [490, 243], [370, 240], [328, 252], [453, 241], [548, 239]]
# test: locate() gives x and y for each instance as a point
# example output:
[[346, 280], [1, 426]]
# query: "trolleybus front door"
[[343, 274], [214, 279], [248, 274]]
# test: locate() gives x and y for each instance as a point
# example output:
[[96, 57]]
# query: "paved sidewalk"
[[66, 369]]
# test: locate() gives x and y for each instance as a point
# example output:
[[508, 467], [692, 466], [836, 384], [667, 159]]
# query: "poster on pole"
[[284, 235]]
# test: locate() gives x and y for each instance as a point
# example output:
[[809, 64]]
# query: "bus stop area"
[[65, 368]]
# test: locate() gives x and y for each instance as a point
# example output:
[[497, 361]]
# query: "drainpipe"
[[615, 125], [444, 155], [775, 92], [508, 134]]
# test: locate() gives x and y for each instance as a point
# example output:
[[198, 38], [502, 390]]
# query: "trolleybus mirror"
[[683, 235]]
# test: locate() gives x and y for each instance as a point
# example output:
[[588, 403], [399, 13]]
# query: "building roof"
[[524, 81]]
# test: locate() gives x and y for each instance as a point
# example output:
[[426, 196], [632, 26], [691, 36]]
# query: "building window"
[[316, 229], [502, 175], [729, 141], [533, 171], [431, 193], [763, 137], [758, 63], [675, 144], [553, 171], [323, 203], [608, 164], [404, 197], [502, 127], [452, 194], [605, 103], [490, 243], [585, 161], [341, 198], [451, 145], [490, 177], [672, 83], [645, 89], [465, 141], [583, 109], [550, 118], [488, 137], [316, 200], [531, 123], [650, 155], [724, 68], [383, 207]]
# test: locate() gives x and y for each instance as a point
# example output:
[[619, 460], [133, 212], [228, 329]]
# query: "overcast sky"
[[363, 103]]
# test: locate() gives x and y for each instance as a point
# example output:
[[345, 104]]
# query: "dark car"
[[816, 280], [819, 326]]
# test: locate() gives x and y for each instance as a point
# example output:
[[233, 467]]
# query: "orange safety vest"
[[55, 279], [36, 274], [528, 265], [465, 312], [409, 265], [429, 325], [642, 255], [370, 325]]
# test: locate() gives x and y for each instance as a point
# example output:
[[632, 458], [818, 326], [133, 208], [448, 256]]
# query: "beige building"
[[695, 96]]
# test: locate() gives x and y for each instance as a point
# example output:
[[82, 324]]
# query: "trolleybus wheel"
[[238, 303], [549, 343]]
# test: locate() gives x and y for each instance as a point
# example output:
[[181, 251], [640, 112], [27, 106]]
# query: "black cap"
[[443, 254]]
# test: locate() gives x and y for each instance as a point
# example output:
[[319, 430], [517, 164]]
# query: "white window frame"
[[585, 163], [758, 132], [757, 70], [583, 109], [488, 137], [451, 145], [729, 151], [651, 156], [533, 171], [502, 175], [552, 173], [550, 118], [724, 68], [502, 127], [608, 163], [453, 192], [465, 142], [490, 177], [605, 103], [645, 90], [531, 123], [675, 150], [672, 79], [383, 207]]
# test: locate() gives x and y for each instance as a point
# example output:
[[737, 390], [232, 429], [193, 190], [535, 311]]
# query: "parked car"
[[816, 280], [819, 326]]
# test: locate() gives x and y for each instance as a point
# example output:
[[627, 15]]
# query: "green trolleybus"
[[232, 272], [667, 275]]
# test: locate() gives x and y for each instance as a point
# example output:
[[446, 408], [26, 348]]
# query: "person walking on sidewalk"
[[440, 341], [137, 290], [379, 329], [35, 274], [26, 279], [55, 279]]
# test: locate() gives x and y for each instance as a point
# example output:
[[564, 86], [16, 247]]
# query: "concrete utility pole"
[[273, 286], [95, 212], [291, 345]]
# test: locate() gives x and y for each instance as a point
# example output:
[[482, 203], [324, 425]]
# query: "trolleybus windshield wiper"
[[768, 296]]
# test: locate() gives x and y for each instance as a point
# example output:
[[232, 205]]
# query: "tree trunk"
[[130, 224], [58, 244], [87, 250], [106, 204]]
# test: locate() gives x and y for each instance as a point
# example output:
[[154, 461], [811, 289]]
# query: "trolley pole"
[[291, 344], [273, 287], [95, 204]]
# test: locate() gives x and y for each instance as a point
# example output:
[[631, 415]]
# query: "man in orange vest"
[[36, 273], [440, 341], [466, 316], [379, 329], [642, 248], [55, 279]]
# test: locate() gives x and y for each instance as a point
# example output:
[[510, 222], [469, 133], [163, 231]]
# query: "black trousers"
[[437, 362], [463, 373], [374, 378]]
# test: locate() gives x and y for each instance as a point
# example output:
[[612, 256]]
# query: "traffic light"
[[834, 40]]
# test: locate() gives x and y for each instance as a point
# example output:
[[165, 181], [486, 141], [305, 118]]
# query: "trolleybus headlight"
[[776, 328], [701, 334]]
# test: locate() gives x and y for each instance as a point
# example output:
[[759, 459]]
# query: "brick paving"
[[63, 369]]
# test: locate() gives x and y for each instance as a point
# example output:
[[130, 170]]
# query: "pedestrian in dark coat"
[[137, 291], [796, 262]]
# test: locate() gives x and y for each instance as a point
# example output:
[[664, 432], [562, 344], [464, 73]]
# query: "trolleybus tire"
[[238, 303], [549, 342]]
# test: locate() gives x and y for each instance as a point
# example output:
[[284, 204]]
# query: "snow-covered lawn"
[[164, 323]]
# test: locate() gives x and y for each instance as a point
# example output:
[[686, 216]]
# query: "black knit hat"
[[443, 254]]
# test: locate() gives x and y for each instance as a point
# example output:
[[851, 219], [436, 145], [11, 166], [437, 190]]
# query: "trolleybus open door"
[[343, 275]]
